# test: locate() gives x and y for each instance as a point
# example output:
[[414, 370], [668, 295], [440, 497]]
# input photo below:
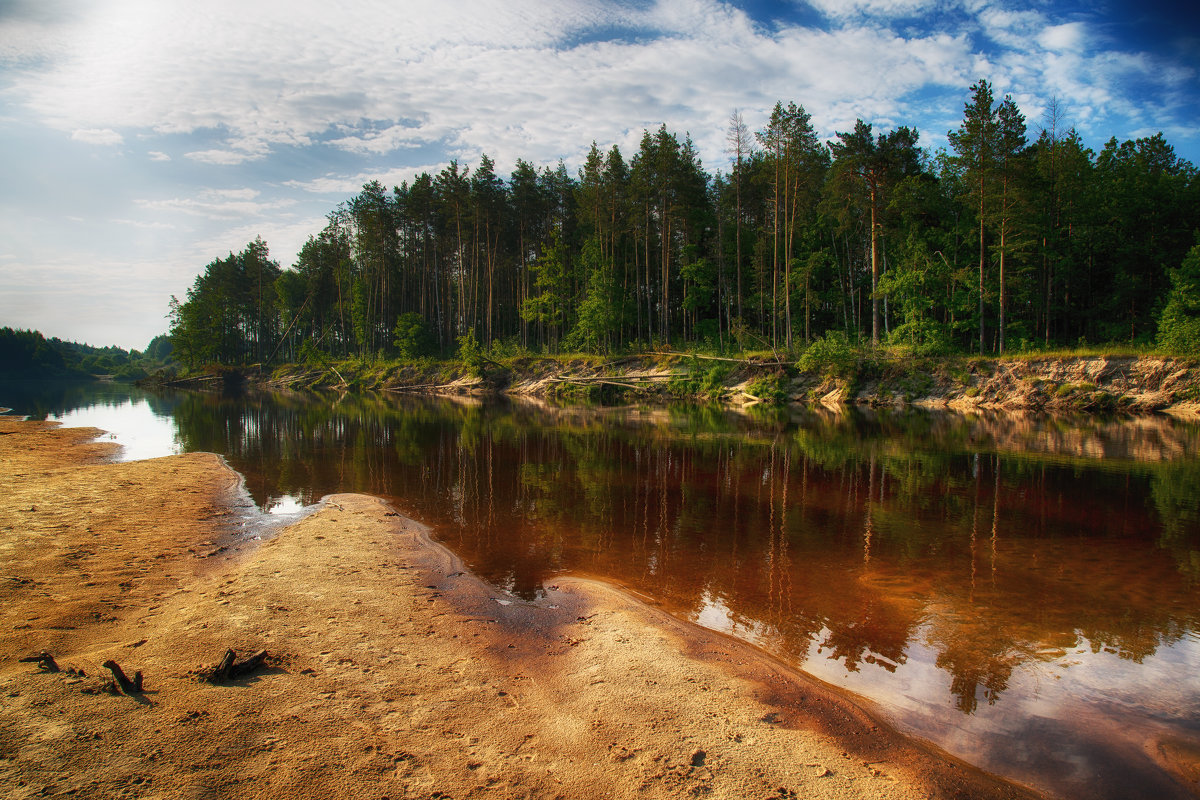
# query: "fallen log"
[[611, 378], [416, 387], [746, 361], [230, 668]]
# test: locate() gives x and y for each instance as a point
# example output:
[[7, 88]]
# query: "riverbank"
[[391, 671], [1088, 384]]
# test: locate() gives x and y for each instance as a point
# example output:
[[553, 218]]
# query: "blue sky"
[[143, 138]]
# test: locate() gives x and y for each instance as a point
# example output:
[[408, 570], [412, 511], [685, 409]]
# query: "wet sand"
[[392, 672]]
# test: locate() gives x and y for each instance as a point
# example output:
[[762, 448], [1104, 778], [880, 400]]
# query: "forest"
[[29, 354], [1016, 238]]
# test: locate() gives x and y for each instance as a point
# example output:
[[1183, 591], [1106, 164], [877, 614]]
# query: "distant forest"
[[1012, 240], [26, 353]]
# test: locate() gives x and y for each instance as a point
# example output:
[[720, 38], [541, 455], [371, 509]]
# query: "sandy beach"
[[391, 671]]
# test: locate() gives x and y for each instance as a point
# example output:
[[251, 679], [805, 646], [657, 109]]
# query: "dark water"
[[1020, 590]]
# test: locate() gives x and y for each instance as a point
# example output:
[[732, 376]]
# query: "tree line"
[[29, 354], [1008, 240]]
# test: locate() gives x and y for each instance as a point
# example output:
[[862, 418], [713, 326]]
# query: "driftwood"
[[43, 659], [604, 381], [749, 362], [127, 686], [231, 668], [416, 387], [612, 378]]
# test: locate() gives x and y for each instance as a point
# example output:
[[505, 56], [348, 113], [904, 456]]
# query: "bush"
[[832, 355], [411, 336], [770, 389], [470, 354], [713, 382], [1179, 324], [311, 354]]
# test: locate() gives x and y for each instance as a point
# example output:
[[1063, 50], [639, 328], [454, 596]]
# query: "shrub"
[[470, 354], [769, 388], [1179, 323], [411, 336], [713, 383], [832, 354]]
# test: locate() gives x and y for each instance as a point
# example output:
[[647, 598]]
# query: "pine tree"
[[975, 144]]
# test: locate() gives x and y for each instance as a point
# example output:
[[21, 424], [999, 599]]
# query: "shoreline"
[[1098, 385], [392, 671]]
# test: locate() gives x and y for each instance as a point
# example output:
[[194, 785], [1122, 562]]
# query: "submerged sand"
[[392, 672]]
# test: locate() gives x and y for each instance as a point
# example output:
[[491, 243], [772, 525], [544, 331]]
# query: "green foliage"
[[28, 354], [551, 279], [411, 336], [683, 387], [159, 349], [789, 246], [229, 316], [712, 385], [469, 353], [509, 347], [771, 389], [1179, 323], [311, 354], [602, 311], [831, 355]]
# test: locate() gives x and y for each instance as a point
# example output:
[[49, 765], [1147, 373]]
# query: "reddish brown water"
[[1021, 591]]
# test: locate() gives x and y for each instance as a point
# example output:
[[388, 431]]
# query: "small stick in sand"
[[44, 660], [230, 668], [127, 686]]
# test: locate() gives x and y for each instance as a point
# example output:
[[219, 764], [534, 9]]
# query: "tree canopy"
[[1005, 241]]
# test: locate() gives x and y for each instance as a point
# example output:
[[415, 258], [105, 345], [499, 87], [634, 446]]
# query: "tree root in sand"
[[230, 668], [127, 686], [44, 660]]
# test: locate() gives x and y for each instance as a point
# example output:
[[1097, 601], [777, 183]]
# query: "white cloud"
[[229, 158], [103, 136], [843, 9], [157, 155], [394, 137], [145, 224], [523, 78], [284, 238], [1068, 37], [219, 204], [515, 82], [349, 184]]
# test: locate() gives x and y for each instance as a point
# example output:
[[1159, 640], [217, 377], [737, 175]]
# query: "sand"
[[392, 671]]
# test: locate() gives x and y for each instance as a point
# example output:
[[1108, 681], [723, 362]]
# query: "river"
[[1020, 590]]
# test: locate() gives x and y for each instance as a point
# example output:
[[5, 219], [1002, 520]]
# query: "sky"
[[141, 139]]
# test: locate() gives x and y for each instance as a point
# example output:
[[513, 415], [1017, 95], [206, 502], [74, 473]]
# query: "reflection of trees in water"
[[1176, 492], [854, 531], [39, 399]]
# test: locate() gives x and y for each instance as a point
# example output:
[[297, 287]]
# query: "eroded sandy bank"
[[393, 673]]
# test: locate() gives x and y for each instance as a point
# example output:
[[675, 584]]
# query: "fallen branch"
[[611, 378], [127, 686], [709, 358], [44, 660], [231, 668], [415, 387], [600, 381]]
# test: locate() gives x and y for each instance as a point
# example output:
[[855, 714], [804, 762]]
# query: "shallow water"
[[1020, 590]]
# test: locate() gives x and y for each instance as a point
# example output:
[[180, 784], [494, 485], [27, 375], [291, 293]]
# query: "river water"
[[1022, 591]]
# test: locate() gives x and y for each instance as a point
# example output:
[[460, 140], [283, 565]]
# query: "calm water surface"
[[1020, 590]]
